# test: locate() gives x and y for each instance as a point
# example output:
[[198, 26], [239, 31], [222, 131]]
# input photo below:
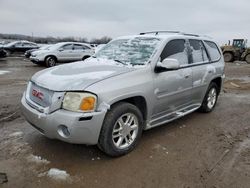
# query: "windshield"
[[135, 51], [11, 43]]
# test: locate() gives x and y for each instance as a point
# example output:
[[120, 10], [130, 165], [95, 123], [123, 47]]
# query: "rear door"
[[78, 52], [201, 68], [173, 88]]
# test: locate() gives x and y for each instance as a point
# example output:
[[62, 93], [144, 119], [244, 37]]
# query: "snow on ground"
[[37, 159], [3, 72], [16, 134], [57, 174]]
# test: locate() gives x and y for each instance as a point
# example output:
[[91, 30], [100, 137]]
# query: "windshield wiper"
[[133, 64], [117, 60]]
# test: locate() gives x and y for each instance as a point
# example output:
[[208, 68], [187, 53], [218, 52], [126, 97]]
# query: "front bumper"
[[82, 128], [35, 59]]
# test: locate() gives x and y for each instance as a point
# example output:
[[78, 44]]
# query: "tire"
[[228, 57], [117, 137], [210, 98], [50, 61], [7, 53], [247, 58]]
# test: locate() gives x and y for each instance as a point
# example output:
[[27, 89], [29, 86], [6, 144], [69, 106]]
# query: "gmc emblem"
[[37, 94]]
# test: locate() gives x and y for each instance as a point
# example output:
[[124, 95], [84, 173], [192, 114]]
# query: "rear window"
[[213, 50]]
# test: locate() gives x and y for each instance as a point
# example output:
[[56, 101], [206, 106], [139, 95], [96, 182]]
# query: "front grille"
[[40, 95]]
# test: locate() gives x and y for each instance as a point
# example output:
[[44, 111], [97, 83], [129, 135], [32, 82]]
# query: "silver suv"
[[62, 52], [134, 83]]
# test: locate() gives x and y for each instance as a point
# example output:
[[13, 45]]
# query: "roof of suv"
[[169, 34]]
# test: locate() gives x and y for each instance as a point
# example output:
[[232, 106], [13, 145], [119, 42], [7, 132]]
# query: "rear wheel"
[[228, 57], [122, 129], [50, 61], [248, 58], [210, 98]]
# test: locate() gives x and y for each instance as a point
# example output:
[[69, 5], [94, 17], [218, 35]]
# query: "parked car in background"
[[27, 54], [19, 47], [62, 52], [134, 83], [2, 53]]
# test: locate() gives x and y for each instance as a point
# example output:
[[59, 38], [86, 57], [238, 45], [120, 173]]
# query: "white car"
[[62, 52]]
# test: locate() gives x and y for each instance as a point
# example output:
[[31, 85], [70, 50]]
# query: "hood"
[[37, 51], [78, 75]]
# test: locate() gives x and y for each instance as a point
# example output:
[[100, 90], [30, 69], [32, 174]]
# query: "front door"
[[66, 53], [173, 89]]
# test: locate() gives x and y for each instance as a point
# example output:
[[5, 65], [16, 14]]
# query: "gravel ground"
[[198, 150]]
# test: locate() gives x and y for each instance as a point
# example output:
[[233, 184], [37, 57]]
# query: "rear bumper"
[[82, 128]]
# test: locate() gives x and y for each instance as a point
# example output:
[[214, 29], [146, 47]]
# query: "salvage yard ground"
[[199, 150]]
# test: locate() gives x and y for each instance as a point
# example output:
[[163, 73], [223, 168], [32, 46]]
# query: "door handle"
[[187, 76]]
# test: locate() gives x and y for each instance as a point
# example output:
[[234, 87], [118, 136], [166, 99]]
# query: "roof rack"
[[174, 32], [157, 32]]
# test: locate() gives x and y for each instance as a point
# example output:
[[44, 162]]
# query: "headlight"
[[79, 102]]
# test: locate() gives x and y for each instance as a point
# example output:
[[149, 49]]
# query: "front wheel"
[[122, 129], [50, 61], [248, 58], [7, 53], [210, 98]]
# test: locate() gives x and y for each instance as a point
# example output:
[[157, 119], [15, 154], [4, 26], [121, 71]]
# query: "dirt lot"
[[199, 150]]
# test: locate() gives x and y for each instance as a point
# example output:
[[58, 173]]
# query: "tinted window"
[[175, 49], [213, 50], [86, 47], [198, 51], [18, 44], [78, 47], [26, 44], [67, 47]]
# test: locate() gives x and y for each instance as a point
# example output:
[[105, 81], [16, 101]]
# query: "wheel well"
[[50, 56], [217, 81], [85, 57], [230, 52], [139, 102]]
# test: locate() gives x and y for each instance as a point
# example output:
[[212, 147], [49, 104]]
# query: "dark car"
[[19, 47], [2, 53], [28, 52]]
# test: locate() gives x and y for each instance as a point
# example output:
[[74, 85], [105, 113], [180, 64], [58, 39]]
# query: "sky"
[[220, 19]]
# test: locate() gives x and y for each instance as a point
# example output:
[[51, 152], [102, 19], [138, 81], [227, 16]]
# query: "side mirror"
[[60, 49], [168, 65]]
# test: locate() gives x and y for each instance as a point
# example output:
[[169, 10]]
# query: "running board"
[[170, 117]]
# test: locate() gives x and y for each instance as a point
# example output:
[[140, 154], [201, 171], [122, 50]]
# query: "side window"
[[175, 49], [67, 47], [18, 44], [25, 44], [213, 50], [86, 47], [78, 47], [199, 53]]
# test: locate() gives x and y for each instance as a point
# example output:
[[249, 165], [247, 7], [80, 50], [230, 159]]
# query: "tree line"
[[50, 39]]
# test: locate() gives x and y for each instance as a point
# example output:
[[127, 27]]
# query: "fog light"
[[63, 131]]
